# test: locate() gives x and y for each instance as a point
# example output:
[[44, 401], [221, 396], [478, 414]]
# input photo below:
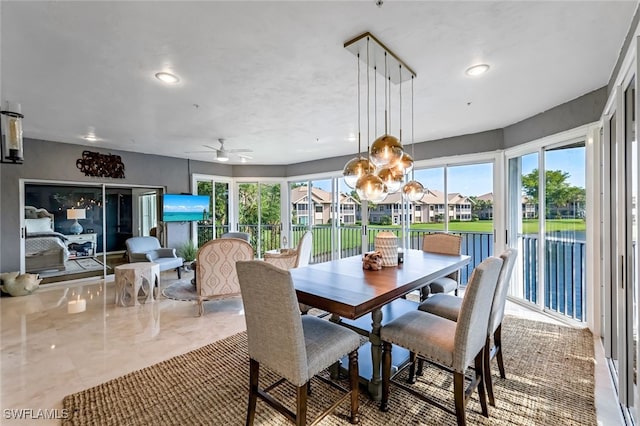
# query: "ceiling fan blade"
[[248, 157], [239, 150], [197, 152], [210, 147]]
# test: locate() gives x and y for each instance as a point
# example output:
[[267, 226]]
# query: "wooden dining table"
[[343, 288]]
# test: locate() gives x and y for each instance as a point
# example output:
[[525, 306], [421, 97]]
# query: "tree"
[[558, 192], [478, 207]]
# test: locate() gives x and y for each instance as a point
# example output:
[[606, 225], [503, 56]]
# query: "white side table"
[[131, 278]]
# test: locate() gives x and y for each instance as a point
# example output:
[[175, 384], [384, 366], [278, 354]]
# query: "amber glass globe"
[[392, 177], [355, 169], [405, 164], [371, 188], [385, 151], [413, 191]]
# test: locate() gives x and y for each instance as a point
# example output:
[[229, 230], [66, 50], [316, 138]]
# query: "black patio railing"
[[564, 257]]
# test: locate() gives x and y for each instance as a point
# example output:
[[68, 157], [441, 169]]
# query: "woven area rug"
[[180, 290], [550, 381]]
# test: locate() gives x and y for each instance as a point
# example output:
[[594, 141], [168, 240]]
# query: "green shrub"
[[188, 251]]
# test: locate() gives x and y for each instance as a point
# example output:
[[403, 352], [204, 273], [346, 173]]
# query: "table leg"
[[375, 385]]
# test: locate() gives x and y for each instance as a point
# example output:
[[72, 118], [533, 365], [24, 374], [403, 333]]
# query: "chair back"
[[241, 235], [305, 246], [473, 319], [500, 298], [442, 243], [285, 259], [216, 266], [274, 325]]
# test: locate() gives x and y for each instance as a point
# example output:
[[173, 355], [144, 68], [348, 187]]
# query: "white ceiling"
[[274, 76]]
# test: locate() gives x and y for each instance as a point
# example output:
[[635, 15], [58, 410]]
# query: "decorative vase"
[[387, 244]]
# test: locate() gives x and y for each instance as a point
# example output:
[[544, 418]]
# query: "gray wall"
[[57, 162], [575, 113]]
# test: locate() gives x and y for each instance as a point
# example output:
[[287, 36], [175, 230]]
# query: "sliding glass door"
[[547, 225]]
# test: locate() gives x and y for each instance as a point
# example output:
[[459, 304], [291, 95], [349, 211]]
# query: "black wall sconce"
[[11, 127]]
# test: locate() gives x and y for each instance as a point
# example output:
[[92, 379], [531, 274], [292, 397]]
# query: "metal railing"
[[564, 274], [564, 257]]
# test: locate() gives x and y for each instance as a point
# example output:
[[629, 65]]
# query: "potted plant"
[[187, 251]]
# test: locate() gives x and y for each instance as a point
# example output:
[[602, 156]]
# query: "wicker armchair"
[[216, 275]]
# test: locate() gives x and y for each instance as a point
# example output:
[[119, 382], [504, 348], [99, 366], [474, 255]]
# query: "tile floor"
[[47, 353]]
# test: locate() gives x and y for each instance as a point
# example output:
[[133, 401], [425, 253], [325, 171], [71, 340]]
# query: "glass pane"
[[76, 212], [300, 219], [248, 216], [612, 282], [523, 224], [350, 228], [632, 235], [321, 217], [270, 223], [565, 230], [470, 199], [428, 214]]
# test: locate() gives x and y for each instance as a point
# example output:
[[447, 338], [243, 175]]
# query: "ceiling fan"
[[222, 154]]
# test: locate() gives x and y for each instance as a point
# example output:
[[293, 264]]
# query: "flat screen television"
[[185, 208]]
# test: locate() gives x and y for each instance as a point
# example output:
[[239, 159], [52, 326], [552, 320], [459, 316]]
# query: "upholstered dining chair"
[[449, 344], [295, 347], [442, 243], [294, 259], [448, 306], [216, 275], [241, 235]]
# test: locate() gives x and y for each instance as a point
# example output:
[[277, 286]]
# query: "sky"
[[477, 179], [186, 203]]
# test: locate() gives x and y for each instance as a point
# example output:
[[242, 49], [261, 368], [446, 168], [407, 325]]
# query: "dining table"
[[349, 292]]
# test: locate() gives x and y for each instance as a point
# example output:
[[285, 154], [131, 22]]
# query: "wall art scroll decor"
[[101, 165]]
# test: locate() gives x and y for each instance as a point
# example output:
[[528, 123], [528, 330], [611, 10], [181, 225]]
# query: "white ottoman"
[[131, 278]]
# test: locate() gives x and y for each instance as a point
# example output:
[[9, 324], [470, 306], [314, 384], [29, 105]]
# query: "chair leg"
[[420, 367], [200, 307], [254, 368], [497, 340], [386, 375], [482, 395], [487, 371], [178, 271], [425, 292], [458, 395], [412, 369], [301, 406], [309, 388], [354, 381]]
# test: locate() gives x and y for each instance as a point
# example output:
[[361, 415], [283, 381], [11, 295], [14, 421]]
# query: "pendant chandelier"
[[412, 190], [383, 171]]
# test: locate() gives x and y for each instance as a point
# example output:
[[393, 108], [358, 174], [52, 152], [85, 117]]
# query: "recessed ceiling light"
[[168, 78], [90, 137], [477, 69]]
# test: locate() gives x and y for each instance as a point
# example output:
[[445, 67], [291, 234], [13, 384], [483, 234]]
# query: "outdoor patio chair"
[[295, 347], [447, 306], [442, 243], [448, 344]]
